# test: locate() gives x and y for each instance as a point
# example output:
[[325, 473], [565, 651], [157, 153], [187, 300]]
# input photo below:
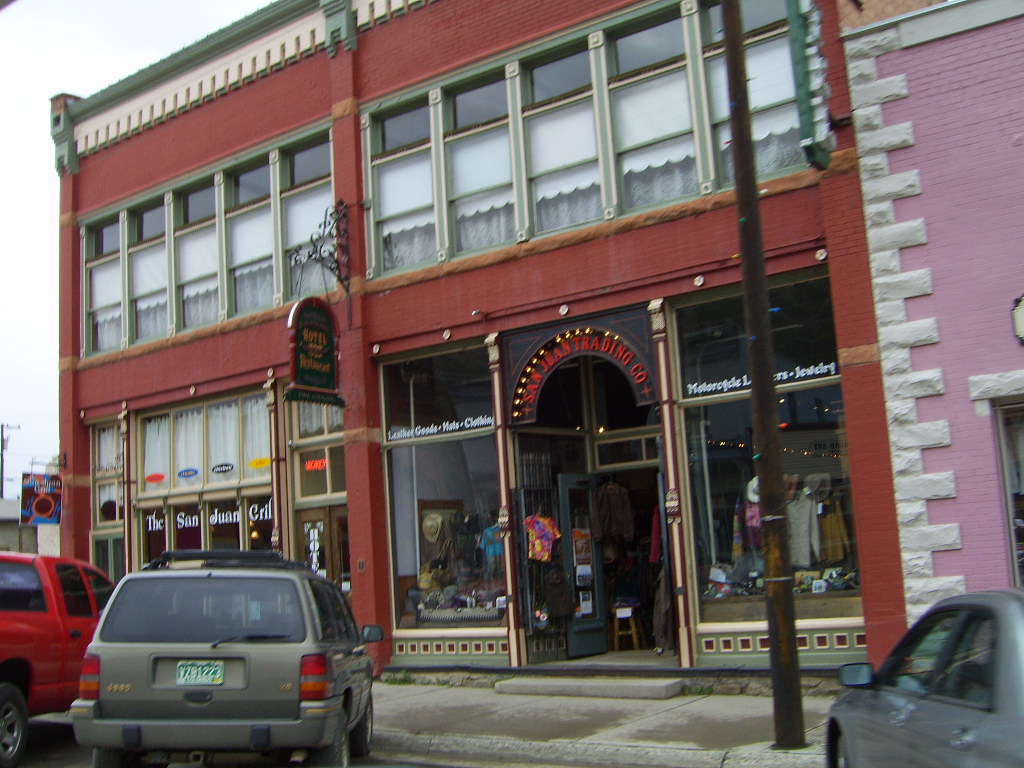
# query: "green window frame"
[[628, 114]]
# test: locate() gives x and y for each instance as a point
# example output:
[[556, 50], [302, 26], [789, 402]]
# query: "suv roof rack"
[[222, 558]]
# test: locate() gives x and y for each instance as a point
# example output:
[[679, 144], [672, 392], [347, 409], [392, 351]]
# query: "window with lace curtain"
[[404, 181], [562, 139], [223, 232], [216, 446], [625, 115], [197, 259], [147, 259], [771, 89], [250, 229], [480, 160], [103, 283]]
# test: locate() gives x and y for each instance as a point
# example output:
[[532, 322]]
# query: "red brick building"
[[533, 279]]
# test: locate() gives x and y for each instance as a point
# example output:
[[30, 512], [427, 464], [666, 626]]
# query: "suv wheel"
[[108, 757], [362, 734], [13, 722], [336, 753]]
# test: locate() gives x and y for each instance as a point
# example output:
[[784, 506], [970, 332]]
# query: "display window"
[[724, 489], [1012, 424], [443, 487], [215, 445], [223, 524]]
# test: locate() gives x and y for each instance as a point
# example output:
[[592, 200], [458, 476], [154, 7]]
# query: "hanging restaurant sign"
[[622, 339], [313, 345]]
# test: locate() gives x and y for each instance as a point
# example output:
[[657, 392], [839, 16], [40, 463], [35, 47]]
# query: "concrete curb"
[[585, 753]]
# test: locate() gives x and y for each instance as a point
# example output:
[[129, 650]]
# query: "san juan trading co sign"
[[314, 356], [622, 339]]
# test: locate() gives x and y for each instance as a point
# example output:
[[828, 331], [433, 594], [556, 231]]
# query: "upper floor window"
[[562, 158], [104, 284], [198, 205], [149, 223], [771, 89], [250, 230], [404, 183], [480, 165], [599, 124], [249, 185], [224, 256], [308, 164], [107, 465], [106, 238]]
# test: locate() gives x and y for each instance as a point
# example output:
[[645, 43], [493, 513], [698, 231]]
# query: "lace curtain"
[[188, 447], [156, 459], [250, 237], [254, 286], [222, 441], [256, 436]]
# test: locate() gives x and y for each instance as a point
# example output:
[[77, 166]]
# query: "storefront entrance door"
[[587, 633], [324, 537]]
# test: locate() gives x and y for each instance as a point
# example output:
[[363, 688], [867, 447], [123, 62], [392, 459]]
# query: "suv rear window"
[[20, 588], [204, 609]]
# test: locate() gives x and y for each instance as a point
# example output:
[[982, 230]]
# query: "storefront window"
[[223, 520], [443, 474], [724, 491], [1013, 463], [188, 527]]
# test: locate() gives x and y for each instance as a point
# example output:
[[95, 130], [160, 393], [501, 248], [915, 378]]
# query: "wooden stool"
[[627, 625]]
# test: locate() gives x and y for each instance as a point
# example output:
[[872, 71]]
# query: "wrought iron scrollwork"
[[328, 246]]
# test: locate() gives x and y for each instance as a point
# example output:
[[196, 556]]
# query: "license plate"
[[200, 672]]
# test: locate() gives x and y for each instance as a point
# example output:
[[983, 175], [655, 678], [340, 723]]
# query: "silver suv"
[[206, 652]]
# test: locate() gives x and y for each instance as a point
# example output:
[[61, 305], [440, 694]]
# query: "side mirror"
[[856, 675], [372, 633]]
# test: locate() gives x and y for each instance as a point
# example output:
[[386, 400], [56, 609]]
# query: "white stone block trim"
[[892, 286]]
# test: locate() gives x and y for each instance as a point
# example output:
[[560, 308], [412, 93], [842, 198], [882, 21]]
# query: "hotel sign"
[[314, 356]]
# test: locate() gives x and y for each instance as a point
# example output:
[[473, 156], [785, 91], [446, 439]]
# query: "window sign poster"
[[40, 499], [586, 607], [584, 576], [582, 550]]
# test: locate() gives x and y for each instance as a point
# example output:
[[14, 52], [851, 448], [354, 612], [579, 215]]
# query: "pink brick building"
[[938, 117]]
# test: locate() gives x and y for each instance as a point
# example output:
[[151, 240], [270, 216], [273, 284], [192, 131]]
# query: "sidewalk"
[[684, 731]]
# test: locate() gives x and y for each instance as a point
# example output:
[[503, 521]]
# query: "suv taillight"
[[313, 682], [89, 682]]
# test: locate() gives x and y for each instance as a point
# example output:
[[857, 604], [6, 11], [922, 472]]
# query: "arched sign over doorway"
[[530, 357]]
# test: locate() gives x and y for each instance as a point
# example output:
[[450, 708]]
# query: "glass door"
[[587, 627]]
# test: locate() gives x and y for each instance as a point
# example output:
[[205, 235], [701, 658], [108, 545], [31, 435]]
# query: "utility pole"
[[785, 669], [4, 437]]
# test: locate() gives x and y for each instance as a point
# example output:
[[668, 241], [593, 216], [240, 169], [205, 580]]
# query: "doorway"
[[323, 533], [589, 503]]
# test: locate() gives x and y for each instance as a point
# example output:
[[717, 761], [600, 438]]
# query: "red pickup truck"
[[48, 611]]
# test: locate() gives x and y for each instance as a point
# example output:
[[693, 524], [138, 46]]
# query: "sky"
[[52, 47]]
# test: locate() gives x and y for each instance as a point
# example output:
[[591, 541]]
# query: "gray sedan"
[[950, 694]]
